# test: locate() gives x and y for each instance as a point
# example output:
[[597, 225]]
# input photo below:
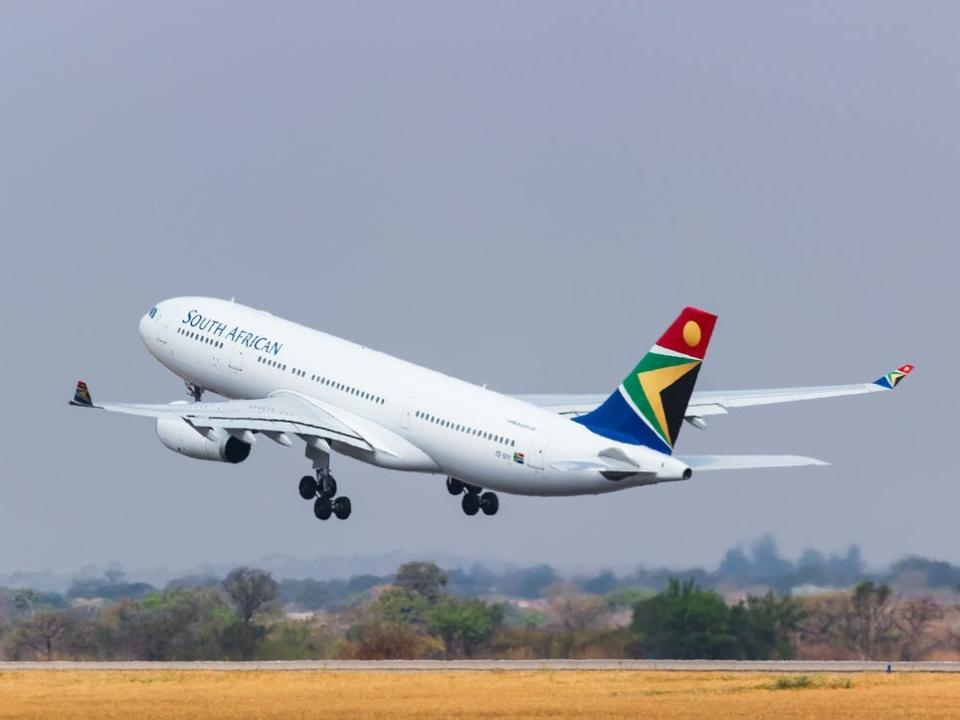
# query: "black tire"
[[454, 486], [322, 508], [489, 503], [472, 489], [470, 503], [342, 508], [328, 487], [308, 487]]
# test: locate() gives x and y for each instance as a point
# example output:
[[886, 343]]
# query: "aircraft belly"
[[517, 479]]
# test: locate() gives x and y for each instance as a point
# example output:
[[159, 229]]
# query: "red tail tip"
[[690, 332]]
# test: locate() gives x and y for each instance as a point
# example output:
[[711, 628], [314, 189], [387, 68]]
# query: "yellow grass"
[[568, 694]]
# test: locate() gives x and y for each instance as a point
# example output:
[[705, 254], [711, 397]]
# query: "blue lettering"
[[275, 348], [260, 343], [232, 335], [188, 318]]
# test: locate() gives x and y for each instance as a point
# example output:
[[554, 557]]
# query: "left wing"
[[718, 402], [280, 414]]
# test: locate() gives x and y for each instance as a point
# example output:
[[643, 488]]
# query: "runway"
[[791, 666]]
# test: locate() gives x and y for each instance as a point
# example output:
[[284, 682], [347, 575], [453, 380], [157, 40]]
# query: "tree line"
[[417, 613]]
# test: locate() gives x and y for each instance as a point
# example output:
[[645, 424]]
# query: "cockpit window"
[[153, 312]]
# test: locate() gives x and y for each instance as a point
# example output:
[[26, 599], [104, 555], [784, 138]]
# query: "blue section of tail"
[[615, 419]]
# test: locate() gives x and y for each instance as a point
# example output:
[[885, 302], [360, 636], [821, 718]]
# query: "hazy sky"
[[521, 194]]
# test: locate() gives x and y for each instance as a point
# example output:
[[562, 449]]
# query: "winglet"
[[81, 398], [891, 379]]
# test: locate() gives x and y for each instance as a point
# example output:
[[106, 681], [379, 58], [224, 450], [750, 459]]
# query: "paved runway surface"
[[493, 665]]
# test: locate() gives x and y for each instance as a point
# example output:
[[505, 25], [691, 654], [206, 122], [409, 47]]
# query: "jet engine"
[[213, 444]]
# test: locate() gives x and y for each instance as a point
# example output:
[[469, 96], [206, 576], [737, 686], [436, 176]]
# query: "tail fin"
[[648, 407], [81, 396]]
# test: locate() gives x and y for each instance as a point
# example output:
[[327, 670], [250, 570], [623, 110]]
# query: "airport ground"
[[564, 690]]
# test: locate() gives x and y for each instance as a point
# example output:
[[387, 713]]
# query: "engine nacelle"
[[219, 445]]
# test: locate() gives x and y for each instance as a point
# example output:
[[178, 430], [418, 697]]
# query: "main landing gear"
[[322, 490], [474, 498]]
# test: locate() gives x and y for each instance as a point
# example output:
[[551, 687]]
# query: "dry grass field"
[[542, 694]]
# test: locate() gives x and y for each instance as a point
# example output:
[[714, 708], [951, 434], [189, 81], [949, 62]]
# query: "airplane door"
[[236, 358], [538, 451], [163, 331]]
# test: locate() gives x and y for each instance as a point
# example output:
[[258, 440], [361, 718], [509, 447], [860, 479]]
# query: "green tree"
[[250, 590], [684, 622], [464, 625], [239, 639], [422, 577], [766, 626], [290, 639], [403, 607], [180, 624]]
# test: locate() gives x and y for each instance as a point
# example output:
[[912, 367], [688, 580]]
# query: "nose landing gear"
[[194, 390]]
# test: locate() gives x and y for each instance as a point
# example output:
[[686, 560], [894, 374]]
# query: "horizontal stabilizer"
[[701, 463]]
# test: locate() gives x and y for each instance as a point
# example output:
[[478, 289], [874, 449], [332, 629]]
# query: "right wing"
[[700, 463], [718, 402]]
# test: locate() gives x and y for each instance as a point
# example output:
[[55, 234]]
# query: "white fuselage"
[[439, 423]]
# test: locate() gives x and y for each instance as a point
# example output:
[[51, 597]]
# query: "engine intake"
[[218, 445]]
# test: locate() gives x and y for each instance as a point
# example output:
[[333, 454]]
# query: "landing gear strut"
[[323, 489], [194, 390], [474, 498]]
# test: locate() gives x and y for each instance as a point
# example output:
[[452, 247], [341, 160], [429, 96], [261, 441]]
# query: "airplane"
[[289, 383]]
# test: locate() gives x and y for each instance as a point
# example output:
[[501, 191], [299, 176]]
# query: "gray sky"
[[522, 194]]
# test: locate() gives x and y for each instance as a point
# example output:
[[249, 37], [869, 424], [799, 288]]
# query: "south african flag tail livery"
[[649, 405]]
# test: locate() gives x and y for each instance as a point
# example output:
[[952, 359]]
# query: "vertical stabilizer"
[[648, 406]]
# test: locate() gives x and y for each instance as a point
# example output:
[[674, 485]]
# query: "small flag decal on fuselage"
[[518, 458]]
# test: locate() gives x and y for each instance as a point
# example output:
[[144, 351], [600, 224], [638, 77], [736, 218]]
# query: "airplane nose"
[[143, 328]]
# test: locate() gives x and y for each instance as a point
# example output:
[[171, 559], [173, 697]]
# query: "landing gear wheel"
[[322, 508], [328, 487], [470, 503], [472, 489], [342, 508], [454, 486], [489, 503], [308, 487]]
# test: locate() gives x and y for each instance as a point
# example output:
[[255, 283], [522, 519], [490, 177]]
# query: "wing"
[[701, 463], [718, 402], [278, 415]]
